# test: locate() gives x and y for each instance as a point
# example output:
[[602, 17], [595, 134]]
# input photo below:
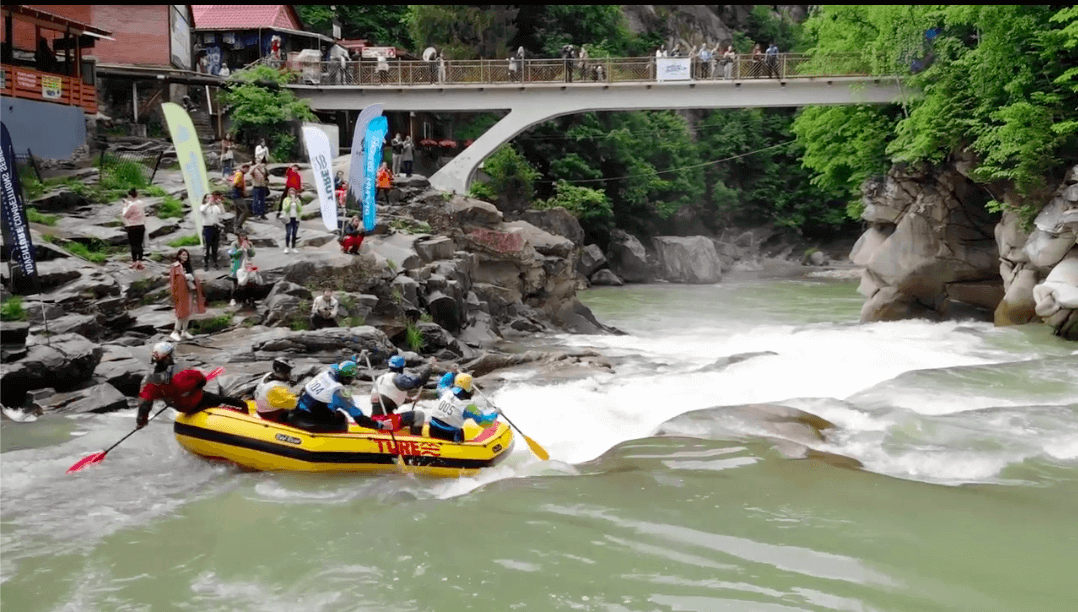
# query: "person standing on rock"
[[135, 223], [228, 156], [187, 296], [240, 253], [259, 190], [385, 182], [397, 145], [279, 378], [183, 390], [262, 152], [239, 196], [407, 155], [324, 310], [291, 207], [211, 232]]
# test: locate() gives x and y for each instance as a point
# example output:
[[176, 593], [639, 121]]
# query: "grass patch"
[[411, 226], [298, 324], [353, 321], [413, 337], [184, 241], [11, 309], [213, 325], [426, 318], [33, 216], [153, 298], [122, 175], [170, 208], [154, 191], [97, 252], [158, 257], [28, 179]]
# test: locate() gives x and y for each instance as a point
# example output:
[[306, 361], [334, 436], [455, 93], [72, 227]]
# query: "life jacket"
[[450, 409], [262, 393], [385, 387], [321, 389]]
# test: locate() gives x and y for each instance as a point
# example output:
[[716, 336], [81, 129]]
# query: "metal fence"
[[124, 167], [597, 70]]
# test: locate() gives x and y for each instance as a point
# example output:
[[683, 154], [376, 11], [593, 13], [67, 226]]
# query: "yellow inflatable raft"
[[257, 444]]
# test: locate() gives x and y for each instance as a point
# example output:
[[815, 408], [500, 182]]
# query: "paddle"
[[396, 454], [99, 457], [532, 444]]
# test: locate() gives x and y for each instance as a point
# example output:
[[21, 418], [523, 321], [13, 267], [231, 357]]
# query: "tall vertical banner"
[[356, 167], [189, 154], [16, 230], [373, 142], [322, 166]]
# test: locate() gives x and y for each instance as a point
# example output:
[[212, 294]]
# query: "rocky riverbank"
[[933, 251], [441, 275]]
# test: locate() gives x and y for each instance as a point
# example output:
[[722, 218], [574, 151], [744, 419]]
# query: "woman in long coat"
[[187, 297]]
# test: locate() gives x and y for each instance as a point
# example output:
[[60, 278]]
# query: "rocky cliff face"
[[931, 250]]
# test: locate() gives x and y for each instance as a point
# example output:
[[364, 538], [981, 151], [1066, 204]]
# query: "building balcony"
[[29, 84]]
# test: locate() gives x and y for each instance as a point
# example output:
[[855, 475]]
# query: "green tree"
[[261, 107], [996, 80], [590, 206], [512, 179], [463, 31], [380, 24], [545, 28]]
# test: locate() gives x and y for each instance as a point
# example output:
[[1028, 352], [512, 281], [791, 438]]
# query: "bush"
[[411, 226], [184, 241], [30, 184], [154, 191], [170, 208], [413, 337], [11, 309], [33, 216]]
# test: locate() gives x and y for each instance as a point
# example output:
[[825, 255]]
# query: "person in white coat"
[[212, 211]]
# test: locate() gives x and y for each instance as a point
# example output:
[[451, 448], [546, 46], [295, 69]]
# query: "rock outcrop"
[[930, 238], [688, 260]]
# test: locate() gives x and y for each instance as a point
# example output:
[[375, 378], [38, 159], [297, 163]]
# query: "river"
[[657, 497]]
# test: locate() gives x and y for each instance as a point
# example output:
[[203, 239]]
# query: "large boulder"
[[61, 362], [689, 259], [469, 211], [606, 278], [870, 242], [541, 240], [557, 221], [97, 398], [628, 258], [942, 236], [591, 259]]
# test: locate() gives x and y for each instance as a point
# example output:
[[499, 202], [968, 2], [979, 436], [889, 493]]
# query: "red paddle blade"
[[215, 373], [85, 461]]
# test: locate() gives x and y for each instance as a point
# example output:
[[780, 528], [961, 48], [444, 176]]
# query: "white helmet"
[[161, 351]]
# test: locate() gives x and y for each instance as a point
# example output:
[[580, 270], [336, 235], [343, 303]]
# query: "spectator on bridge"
[[441, 67], [582, 55], [703, 59], [773, 61], [757, 62], [383, 69], [520, 63], [430, 55], [408, 155], [568, 53], [728, 59]]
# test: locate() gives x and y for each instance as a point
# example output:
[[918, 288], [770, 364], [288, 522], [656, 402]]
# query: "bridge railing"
[[598, 70]]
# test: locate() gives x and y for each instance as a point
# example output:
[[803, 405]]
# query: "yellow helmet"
[[464, 381], [280, 398]]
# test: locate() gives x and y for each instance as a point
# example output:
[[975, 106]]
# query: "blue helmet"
[[397, 363]]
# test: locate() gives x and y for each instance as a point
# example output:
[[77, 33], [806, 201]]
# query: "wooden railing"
[[598, 70], [30, 84]]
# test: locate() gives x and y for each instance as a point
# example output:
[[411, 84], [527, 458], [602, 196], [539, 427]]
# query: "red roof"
[[245, 16]]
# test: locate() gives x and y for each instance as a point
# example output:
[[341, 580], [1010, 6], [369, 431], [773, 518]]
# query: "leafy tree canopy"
[[381, 24], [998, 80]]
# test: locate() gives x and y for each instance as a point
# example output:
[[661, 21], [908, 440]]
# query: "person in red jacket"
[[292, 180], [181, 390]]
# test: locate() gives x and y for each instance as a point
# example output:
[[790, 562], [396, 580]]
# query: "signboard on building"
[[375, 52], [673, 68], [52, 87], [179, 36], [25, 79]]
